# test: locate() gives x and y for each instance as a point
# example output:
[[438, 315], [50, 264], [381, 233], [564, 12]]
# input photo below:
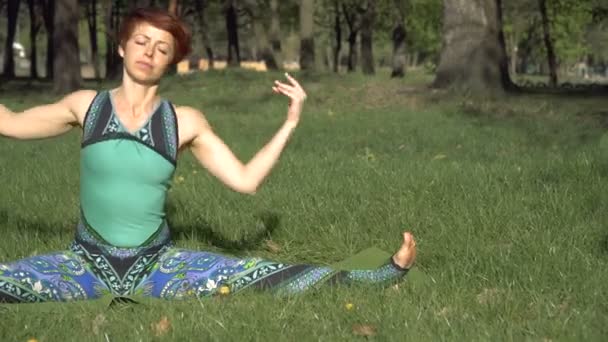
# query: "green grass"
[[507, 198]]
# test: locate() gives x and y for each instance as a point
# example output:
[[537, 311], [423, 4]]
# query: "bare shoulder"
[[79, 102], [191, 122]]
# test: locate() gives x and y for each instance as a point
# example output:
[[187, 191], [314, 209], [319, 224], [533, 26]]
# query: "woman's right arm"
[[47, 120]]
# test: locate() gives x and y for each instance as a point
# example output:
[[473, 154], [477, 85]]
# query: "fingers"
[[293, 81]]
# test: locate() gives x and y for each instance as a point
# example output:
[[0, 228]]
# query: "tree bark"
[[307, 43], [350, 16], [91, 9], [473, 57], [201, 10], [67, 62], [367, 29], [48, 10], [9, 60], [34, 27], [551, 59], [234, 53]]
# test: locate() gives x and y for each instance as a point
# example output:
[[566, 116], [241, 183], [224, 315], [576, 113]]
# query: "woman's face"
[[147, 53]]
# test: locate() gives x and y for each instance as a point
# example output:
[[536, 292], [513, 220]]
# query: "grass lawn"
[[507, 198]]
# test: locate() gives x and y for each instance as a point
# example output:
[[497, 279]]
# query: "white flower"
[[38, 286], [211, 284]]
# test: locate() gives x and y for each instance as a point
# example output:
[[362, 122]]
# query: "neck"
[[137, 97]]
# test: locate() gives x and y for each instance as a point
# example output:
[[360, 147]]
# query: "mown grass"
[[506, 197]]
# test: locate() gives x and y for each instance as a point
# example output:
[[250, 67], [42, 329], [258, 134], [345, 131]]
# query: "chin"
[[144, 78]]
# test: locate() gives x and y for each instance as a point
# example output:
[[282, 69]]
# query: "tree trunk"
[[67, 62], [173, 7], [91, 9], [234, 53], [48, 9], [367, 29], [399, 50], [9, 60], [307, 43], [112, 20], [548, 44], [275, 32], [34, 27], [338, 36], [352, 51], [473, 57], [201, 10], [263, 47]]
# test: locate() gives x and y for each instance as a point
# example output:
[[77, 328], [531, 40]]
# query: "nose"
[[149, 50]]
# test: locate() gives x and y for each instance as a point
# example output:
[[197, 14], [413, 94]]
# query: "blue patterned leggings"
[[92, 268]]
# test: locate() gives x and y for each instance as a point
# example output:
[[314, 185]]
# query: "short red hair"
[[162, 20]]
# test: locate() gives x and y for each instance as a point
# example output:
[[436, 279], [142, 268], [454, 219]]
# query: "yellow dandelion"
[[349, 306], [224, 290], [32, 340]]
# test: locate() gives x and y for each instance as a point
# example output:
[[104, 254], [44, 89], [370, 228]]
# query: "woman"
[[131, 141]]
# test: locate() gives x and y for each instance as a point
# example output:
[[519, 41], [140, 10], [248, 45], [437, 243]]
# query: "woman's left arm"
[[216, 157]]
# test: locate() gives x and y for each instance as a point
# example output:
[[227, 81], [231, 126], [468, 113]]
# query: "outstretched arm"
[[215, 156], [47, 120]]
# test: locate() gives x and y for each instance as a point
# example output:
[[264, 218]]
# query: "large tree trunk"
[[234, 53], [473, 56], [201, 10], [34, 27], [307, 43], [367, 29], [261, 37], [48, 8], [275, 32], [548, 44], [352, 21], [338, 36], [67, 61], [91, 7], [9, 60], [112, 20]]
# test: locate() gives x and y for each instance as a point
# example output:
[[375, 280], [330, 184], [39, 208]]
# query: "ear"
[[121, 51]]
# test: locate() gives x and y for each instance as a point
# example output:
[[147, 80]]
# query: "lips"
[[144, 65]]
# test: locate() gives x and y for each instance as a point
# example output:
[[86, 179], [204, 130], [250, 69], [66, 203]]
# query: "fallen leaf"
[[161, 327], [440, 156], [488, 296], [364, 330], [98, 322], [273, 246]]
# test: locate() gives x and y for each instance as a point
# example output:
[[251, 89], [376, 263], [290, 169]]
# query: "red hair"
[[162, 20]]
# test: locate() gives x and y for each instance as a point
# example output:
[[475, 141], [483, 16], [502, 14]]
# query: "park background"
[[479, 125]]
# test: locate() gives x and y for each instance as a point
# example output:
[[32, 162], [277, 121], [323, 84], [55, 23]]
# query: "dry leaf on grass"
[[97, 323], [161, 327], [364, 330], [273, 246]]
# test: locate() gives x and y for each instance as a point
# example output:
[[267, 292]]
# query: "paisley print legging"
[[91, 269]]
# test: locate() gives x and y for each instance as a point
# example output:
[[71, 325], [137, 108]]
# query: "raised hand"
[[296, 94]]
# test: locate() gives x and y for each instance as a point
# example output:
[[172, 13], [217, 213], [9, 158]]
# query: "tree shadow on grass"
[[266, 223]]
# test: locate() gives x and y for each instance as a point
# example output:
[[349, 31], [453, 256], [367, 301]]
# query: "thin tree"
[[399, 35], [201, 11], [473, 56], [34, 28], [9, 60], [354, 25], [254, 11], [337, 35], [368, 15], [307, 42], [112, 21], [275, 32], [67, 76], [231, 18], [48, 10], [91, 12], [551, 59]]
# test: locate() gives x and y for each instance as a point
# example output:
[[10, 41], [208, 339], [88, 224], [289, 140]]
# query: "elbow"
[[248, 190]]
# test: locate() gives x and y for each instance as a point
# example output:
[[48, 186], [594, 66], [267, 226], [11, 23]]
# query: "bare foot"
[[406, 254]]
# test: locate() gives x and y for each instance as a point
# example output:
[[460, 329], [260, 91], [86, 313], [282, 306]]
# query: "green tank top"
[[124, 175]]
